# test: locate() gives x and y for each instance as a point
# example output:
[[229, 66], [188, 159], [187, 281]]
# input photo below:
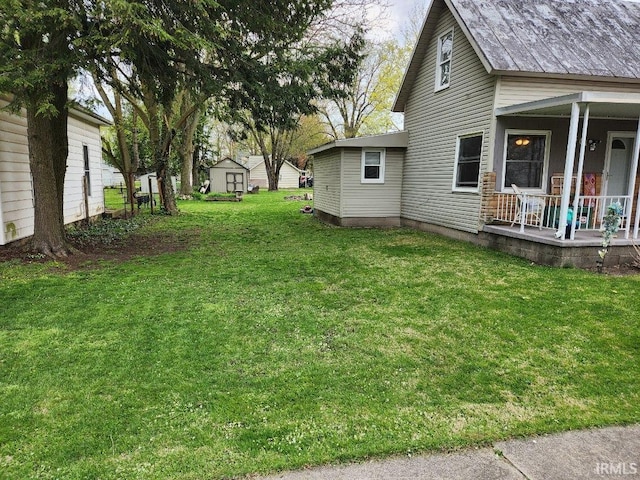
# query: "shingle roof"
[[590, 38]]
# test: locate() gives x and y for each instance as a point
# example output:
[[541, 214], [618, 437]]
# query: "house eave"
[[388, 140], [603, 104]]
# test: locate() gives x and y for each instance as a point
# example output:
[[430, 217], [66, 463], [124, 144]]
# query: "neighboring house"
[[289, 174], [16, 186], [228, 176], [152, 179], [540, 94], [111, 177]]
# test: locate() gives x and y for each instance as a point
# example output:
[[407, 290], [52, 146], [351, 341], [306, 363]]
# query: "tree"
[[276, 103], [367, 99], [41, 50], [124, 154], [232, 49]]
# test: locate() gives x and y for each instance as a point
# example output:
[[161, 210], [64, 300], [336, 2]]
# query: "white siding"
[[327, 182], [258, 175], [81, 134], [218, 175], [515, 90], [16, 199], [289, 175], [371, 200], [16, 190], [434, 120]]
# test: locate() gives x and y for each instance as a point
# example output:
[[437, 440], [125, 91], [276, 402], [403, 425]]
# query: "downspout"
[[632, 187], [568, 169], [583, 144]]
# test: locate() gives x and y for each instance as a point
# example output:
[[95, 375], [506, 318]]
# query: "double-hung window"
[[526, 158], [468, 155], [87, 168], [443, 62], [372, 166]]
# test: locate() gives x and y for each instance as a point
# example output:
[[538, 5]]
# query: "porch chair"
[[533, 210]]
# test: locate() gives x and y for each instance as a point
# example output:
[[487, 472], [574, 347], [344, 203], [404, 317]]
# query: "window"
[[443, 63], [87, 171], [372, 166], [526, 159], [468, 154]]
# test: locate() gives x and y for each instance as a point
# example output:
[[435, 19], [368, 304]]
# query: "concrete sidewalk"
[[612, 452]]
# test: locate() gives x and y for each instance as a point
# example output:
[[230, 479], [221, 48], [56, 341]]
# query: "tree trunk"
[[186, 154], [48, 151], [167, 194]]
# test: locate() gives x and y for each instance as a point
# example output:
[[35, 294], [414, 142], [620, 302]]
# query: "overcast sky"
[[396, 17]]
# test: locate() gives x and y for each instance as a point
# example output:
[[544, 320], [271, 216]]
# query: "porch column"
[[583, 145], [632, 182], [632, 188], [568, 169]]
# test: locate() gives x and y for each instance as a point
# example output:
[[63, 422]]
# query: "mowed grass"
[[276, 342]]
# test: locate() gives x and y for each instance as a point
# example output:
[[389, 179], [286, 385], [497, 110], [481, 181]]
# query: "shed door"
[[235, 181]]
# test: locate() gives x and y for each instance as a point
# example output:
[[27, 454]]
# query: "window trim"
[[455, 186], [545, 163], [382, 152], [438, 86]]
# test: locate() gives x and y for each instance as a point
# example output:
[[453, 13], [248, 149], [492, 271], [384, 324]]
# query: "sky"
[[395, 18]]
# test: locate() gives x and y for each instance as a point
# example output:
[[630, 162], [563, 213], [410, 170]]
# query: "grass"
[[114, 198], [276, 342]]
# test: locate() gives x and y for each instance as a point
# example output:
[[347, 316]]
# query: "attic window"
[[443, 63]]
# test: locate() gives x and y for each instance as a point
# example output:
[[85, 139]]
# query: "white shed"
[[16, 186], [228, 176]]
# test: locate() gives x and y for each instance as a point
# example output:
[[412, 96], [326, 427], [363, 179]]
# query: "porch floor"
[[541, 246], [583, 238]]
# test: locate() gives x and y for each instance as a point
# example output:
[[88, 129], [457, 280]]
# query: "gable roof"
[[227, 160], [553, 38], [255, 160]]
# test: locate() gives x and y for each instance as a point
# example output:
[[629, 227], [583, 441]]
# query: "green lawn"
[[276, 342]]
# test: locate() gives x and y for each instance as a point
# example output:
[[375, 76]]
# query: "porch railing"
[[543, 211]]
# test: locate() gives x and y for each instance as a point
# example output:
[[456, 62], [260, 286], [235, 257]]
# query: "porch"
[[591, 143]]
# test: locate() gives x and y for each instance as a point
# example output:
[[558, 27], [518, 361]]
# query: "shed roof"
[[554, 38], [226, 162], [387, 140]]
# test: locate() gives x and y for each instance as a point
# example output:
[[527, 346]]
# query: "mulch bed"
[[91, 256]]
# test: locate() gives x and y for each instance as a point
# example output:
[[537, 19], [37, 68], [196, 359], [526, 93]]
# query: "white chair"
[[531, 207]]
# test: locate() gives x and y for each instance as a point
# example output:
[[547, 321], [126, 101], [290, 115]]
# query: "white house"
[[111, 177], [16, 187], [289, 174]]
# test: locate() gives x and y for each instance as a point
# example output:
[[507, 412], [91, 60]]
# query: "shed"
[[228, 176], [16, 188], [358, 181]]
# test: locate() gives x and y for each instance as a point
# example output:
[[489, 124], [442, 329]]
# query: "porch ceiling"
[[602, 105]]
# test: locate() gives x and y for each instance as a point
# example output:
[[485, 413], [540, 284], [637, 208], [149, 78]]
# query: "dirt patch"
[[92, 256]]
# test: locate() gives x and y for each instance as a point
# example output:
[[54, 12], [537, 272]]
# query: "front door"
[[618, 165]]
